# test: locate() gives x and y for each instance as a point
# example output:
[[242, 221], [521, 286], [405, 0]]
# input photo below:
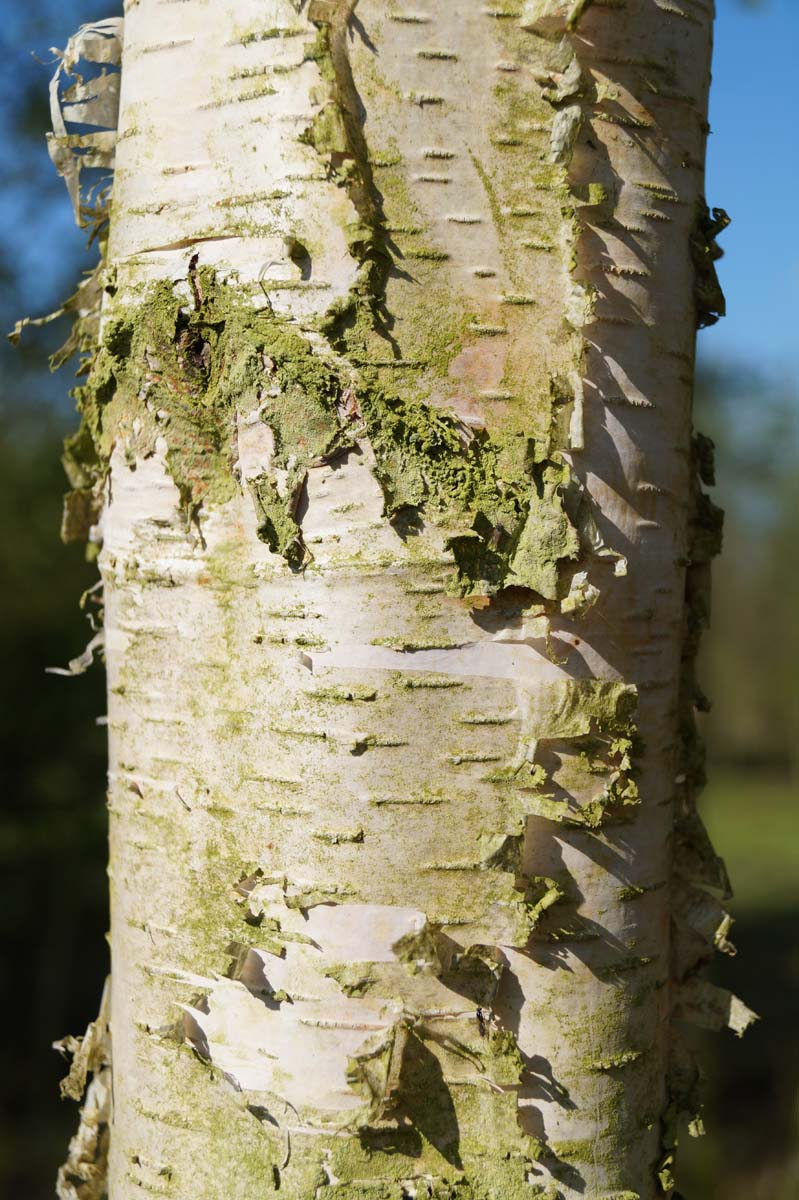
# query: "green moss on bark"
[[183, 368]]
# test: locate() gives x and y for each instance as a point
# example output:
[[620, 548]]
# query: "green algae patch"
[[419, 951], [599, 718], [475, 974], [354, 979], [417, 1122], [580, 708], [502, 499], [186, 370], [374, 1072]]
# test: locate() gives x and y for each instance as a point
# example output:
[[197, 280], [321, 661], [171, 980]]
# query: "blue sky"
[[753, 173]]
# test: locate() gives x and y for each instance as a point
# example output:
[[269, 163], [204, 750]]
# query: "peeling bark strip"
[[390, 423], [84, 1175]]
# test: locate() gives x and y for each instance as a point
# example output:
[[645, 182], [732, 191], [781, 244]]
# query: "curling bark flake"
[[390, 421]]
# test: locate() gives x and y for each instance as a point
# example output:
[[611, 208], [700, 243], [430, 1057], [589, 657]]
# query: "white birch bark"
[[393, 882]]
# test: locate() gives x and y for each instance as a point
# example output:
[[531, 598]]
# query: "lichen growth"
[[599, 719], [181, 369], [354, 979], [501, 499]]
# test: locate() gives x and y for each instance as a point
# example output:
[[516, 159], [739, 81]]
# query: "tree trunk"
[[391, 420]]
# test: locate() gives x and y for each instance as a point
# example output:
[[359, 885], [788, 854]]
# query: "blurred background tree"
[[53, 906]]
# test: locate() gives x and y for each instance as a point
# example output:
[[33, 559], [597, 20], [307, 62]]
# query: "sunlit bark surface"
[[392, 805]]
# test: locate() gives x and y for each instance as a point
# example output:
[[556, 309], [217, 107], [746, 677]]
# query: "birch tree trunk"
[[390, 418]]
